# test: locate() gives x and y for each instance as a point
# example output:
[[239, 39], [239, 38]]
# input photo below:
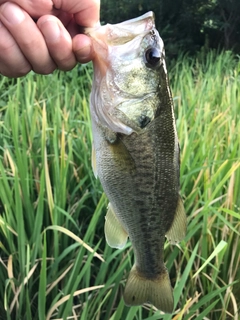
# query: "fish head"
[[129, 57]]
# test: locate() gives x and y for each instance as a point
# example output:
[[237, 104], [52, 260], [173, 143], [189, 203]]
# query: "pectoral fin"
[[178, 228], [115, 234], [94, 162]]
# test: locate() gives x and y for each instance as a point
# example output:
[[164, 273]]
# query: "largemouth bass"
[[136, 152]]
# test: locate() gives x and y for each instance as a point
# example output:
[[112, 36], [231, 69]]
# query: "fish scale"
[[156, 209]]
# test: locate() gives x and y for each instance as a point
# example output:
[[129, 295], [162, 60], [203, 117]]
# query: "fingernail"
[[12, 13], [50, 30]]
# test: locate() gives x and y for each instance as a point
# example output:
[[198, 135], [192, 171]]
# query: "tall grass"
[[54, 261]]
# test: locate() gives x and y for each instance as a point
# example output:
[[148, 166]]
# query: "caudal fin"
[[141, 290]]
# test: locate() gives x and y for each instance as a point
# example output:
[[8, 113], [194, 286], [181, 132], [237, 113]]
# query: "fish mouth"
[[112, 35], [120, 33], [113, 45]]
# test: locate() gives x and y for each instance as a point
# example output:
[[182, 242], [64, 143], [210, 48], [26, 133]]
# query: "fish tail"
[[141, 290]]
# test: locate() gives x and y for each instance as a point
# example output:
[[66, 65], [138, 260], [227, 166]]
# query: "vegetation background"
[[54, 261], [185, 25]]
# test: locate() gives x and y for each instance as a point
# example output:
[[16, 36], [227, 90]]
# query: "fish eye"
[[152, 57]]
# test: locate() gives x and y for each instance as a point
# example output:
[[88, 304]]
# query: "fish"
[[135, 153]]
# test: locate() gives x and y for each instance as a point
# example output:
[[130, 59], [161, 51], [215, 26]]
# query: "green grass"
[[54, 261]]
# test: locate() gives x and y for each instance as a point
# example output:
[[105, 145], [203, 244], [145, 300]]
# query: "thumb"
[[86, 12]]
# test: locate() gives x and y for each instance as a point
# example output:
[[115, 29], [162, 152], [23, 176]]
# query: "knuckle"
[[23, 71], [47, 69], [6, 47], [15, 70], [15, 73], [57, 4]]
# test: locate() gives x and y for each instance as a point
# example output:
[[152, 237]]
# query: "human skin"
[[43, 35]]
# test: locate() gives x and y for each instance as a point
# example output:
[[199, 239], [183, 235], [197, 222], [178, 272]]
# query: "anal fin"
[[178, 228], [115, 234]]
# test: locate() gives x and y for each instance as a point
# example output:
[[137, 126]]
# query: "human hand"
[[50, 43]]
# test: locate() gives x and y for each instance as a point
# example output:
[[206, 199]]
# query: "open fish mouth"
[[123, 32], [123, 51]]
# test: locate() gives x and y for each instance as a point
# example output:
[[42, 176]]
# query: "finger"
[[28, 37], [35, 8], [12, 61], [82, 47], [58, 41], [86, 11]]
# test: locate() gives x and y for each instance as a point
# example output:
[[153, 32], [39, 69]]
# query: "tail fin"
[[157, 291]]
